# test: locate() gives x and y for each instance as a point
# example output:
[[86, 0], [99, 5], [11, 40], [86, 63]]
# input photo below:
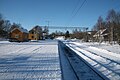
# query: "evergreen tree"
[[67, 35]]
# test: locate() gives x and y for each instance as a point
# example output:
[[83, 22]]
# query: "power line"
[[75, 7], [77, 10]]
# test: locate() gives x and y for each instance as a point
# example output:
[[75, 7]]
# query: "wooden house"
[[19, 34], [35, 33]]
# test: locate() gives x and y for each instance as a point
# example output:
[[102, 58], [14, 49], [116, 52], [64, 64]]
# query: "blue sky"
[[59, 12]]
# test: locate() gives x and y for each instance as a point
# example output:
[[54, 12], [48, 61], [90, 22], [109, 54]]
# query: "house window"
[[32, 32], [16, 36], [32, 36]]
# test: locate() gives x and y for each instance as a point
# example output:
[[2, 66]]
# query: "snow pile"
[[5, 42], [60, 38]]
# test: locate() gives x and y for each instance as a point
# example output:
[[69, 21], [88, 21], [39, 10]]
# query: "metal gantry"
[[66, 28]]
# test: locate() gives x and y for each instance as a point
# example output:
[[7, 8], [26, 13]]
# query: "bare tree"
[[117, 30], [100, 25], [111, 19], [4, 27], [112, 24]]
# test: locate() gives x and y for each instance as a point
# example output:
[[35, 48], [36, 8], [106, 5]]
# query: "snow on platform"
[[29, 60]]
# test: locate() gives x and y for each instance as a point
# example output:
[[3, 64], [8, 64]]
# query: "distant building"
[[18, 34], [35, 33]]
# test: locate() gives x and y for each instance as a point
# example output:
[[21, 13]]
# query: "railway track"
[[102, 61], [81, 69], [98, 55], [107, 66]]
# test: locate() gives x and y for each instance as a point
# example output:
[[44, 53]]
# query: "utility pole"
[[47, 27], [48, 22]]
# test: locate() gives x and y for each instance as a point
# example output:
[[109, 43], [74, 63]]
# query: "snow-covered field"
[[104, 58], [29, 60]]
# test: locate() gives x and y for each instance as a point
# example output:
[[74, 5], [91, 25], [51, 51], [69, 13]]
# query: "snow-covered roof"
[[24, 30], [36, 27], [21, 29], [100, 33]]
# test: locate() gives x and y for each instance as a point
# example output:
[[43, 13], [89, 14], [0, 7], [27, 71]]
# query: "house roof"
[[36, 29], [101, 33], [21, 29]]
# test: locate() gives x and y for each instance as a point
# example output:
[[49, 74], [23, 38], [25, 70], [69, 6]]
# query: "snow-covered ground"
[[41, 60], [29, 60], [115, 48], [104, 58]]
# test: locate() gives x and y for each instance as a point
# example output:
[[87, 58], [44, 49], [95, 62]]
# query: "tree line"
[[112, 24], [4, 27]]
